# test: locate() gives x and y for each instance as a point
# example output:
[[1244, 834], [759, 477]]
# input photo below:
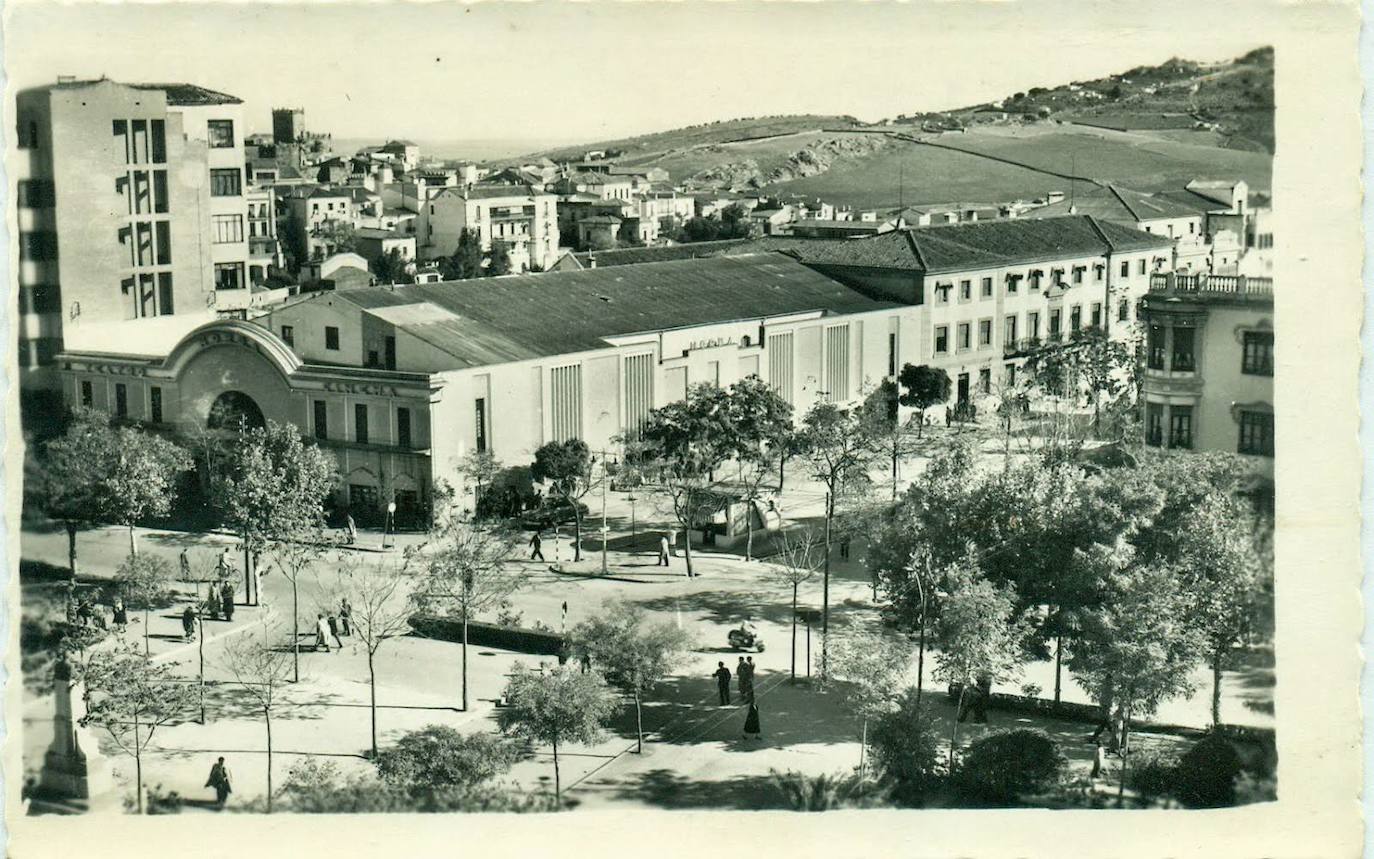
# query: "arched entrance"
[[235, 410]]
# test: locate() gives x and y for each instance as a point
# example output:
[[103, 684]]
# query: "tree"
[[272, 492], [838, 451], [873, 664], [145, 583], [904, 750], [380, 611], [461, 571], [687, 441], [139, 478], [760, 420], [466, 261], [632, 653], [130, 696], [559, 707], [391, 267], [1089, 363], [481, 467], [498, 262], [883, 424], [923, 387], [795, 566], [567, 467], [1138, 647], [339, 237], [261, 669], [67, 480], [438, 757], [979, 634]]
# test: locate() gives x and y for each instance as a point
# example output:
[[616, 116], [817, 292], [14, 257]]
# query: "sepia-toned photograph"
[[559, 408]]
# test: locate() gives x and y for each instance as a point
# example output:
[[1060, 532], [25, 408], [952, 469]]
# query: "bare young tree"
[[462, 571], [379, 610], [262, 669], [794, 565]]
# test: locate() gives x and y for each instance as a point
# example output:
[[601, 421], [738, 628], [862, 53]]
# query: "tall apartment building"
[[114, 202], [521, 218], [1209, 364]]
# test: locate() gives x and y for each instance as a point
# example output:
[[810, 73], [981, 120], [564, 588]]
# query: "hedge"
[[488, 635]]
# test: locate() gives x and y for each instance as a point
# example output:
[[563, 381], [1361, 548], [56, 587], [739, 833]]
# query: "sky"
[[565, 71]]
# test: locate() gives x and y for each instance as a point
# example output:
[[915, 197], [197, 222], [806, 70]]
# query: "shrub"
[[438, 757], [1000, 768], [905, 752], [540, 643], [1152, 775], [1206, 774], [319, 788], [802, 792]]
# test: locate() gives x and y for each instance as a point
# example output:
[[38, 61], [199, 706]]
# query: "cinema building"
[[401, 383]]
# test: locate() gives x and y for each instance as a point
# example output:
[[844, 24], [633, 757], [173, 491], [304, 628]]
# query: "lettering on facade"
[[117, 370], [364, 390], [710, 343]]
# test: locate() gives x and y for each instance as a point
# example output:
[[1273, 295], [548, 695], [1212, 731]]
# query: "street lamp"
[[389, 523]]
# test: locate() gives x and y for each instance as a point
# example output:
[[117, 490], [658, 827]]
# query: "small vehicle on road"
[[745, 638]]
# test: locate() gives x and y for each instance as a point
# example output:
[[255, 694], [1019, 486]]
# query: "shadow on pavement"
[[667, 789]]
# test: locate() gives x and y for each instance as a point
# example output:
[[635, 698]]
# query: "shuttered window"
[[837, 363], [780, 364], [565, 400], [639, 390]]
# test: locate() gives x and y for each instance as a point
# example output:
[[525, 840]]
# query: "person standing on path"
[[844, 548], [751, 722], [662, 551], [334, 630], [749, 664], [1099, 759], [536, 548], [321, 633], [223, 565], [185, 562], [220, 780], [345, 617], [226, 598], [352, 529], [188, 624], [743, 678], [722, 676], [120, 614]]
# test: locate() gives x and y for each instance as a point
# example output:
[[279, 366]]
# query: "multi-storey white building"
[[519, 217]]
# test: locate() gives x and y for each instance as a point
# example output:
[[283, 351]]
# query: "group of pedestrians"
[[744, 676], [334, 625]]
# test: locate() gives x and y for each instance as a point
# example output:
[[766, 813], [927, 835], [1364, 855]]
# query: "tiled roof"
[[189, 95], [378, 233], [496, 320], [661, 253], [1123, 205], [487, 192]]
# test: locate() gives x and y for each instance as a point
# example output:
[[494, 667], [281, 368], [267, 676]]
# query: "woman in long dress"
[[751, 722]]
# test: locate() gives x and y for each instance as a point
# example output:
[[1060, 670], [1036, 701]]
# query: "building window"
[[1257, 356], [565, 397], [1123, 311], [1154, 424], [1033, 324], [160, 192], [1035, 276], [1256, 433], [963, 336], [1140, 266], [288, 335], [35, 194], [40, 298], [159, 130], [1097, 314], [892, 353], [28, 133], [479, 413], [942, 291], [403, 427], [985, 332], [87, 395], [164, 294], [1009, 376], [1154, 341], [155, 404], [228, 275], [220, 133], [38, 246], [227, 229], [1077, 274], [226, 182], [1125, 268], [836, 363], [360, 423], [941, 339], [331, 337], [163, 233], [1013, 282], [1098, 271], [1181, 427], [965, 290], [389, 352], [1009, 331], [1055, 316], [1183, 358], [1076, 317], [321, 419], [121, 400], [987, 287]]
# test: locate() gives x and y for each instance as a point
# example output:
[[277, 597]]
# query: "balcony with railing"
[[1214, 286]]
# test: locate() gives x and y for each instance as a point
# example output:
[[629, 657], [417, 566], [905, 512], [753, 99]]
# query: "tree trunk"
[[921, 662], [895, 444], [465, 660], [138, 767], [749, 531], [200, 617], [921, 426], [1216, 688], [133, 543], [247, 573], [71, 548], [687, 549], [1125, 754], [639, 725], [146, 650], [295, 633], [782, 467], [267, 714], [794, 632], [863, 749], [557, 783], [577, 533], [372, 699], [954, 734], [1058, 665], [825, 582]]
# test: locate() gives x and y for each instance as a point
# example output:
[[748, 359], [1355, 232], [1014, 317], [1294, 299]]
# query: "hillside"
[[648, 146]]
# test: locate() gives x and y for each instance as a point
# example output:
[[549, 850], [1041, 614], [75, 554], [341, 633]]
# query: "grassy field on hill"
[[707, 133]]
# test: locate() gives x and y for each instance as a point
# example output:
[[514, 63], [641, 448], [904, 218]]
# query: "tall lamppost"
[[389, 524]]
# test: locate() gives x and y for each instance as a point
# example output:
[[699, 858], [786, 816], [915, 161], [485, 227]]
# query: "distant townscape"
[[400, 479]]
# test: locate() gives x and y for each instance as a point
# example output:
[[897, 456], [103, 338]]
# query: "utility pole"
[[605, 532]]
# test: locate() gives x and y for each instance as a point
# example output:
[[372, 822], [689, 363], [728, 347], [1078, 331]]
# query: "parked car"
[[550, 514]]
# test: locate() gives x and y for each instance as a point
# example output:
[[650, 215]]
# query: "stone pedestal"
[[73, 765]]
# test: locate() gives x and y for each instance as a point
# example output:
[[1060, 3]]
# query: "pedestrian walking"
[[258, 572], [1099, 759], [226, 599], [536, 551], [84, 614], [751, 722], [223, 566], [188, 624], [334, 630], [1118, 736], [742, 677], [345, 617], [352, 529], [220, 780], [119, 614], [321, 633], [844, 548], [749, 664], [212, 603], [663, 549], [722, 676], [185, 562]]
